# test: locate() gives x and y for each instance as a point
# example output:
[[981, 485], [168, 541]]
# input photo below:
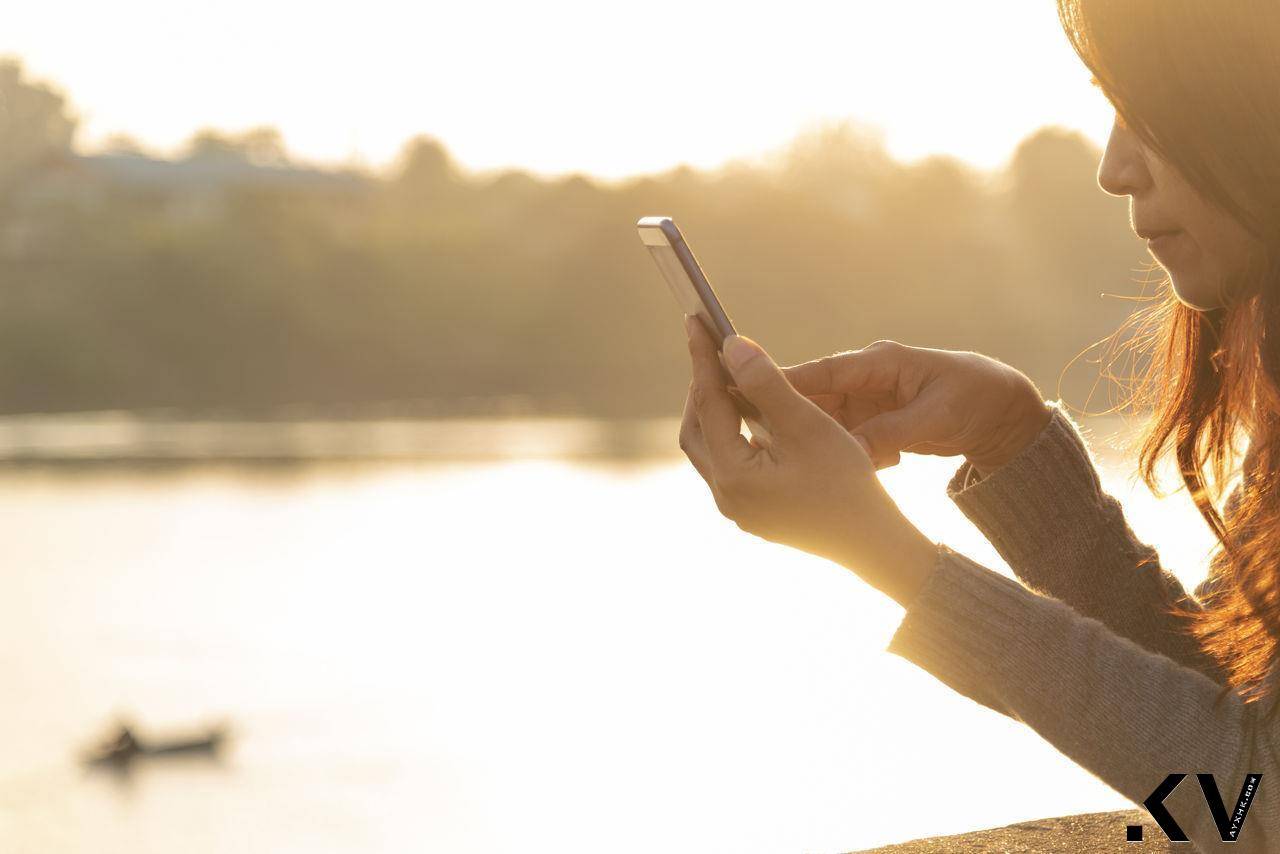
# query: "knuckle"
[[885, 345], [698, 393], [954, 409], [748, 522], [688, 439]]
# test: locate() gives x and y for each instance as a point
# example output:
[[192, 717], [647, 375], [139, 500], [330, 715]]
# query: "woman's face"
[[1206, 253]]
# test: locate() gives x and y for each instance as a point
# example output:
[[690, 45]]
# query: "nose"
[[1123, 170]]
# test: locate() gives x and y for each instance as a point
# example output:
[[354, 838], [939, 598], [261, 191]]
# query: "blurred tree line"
[[231, 279]]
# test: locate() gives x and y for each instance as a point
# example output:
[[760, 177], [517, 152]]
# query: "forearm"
[[1126, 714], [1048, 516]]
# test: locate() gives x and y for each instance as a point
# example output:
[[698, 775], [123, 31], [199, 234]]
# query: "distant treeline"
[[234, 280]]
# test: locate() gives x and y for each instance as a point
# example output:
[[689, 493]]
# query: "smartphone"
[[692, 290]]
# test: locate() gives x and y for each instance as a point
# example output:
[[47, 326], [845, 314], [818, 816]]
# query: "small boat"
[[122, 747]]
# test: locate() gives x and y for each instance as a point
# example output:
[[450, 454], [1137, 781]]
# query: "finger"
[[815, 377], [691, 439], [721, 425], [871, 370], [849, 412], [883, 462], [763, 383], [890, 433], [828, 403]]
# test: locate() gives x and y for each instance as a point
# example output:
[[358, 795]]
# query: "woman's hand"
[[899, 398], [813, 487]]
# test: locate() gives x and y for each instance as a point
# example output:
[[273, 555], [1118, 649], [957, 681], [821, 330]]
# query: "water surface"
[[516, 643]]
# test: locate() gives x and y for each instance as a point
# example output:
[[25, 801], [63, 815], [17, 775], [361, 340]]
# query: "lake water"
[[483, 637]]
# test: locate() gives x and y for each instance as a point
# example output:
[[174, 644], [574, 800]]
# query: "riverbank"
[[134, 438], [1090, 833]]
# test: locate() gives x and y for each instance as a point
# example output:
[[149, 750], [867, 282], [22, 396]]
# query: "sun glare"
[[567, 85]]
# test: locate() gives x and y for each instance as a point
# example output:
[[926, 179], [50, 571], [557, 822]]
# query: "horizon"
[[760, 160]]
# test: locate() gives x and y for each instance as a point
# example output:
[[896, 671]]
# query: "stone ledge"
[[1090, 833]]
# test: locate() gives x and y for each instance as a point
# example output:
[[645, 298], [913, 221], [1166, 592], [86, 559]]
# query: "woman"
[[1118, 667]]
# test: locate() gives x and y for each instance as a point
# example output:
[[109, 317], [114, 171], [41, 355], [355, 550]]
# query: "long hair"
[[1197, 81]]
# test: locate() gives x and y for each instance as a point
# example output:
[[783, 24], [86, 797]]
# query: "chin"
[[1196, 299]]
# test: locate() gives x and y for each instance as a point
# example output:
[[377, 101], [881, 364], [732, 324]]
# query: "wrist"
[[901, 565], [917, 562], [1011, 442]]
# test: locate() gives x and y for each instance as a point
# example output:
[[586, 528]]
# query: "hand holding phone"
[[693, 292]]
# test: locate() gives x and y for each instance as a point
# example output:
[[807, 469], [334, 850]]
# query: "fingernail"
[[739, 350], [688, 325], [863, 442]]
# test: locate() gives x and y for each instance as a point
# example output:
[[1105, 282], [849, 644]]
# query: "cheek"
[[1191, 271], [1236, 260], [1217, 263]]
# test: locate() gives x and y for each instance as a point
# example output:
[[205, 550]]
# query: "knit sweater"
[[1082, 654]]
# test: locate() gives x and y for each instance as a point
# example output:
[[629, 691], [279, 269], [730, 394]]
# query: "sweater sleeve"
[[1047, 515], [1125, 713]]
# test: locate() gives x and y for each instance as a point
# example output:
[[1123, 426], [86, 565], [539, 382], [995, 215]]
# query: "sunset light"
[[610, 89], [575, 426]]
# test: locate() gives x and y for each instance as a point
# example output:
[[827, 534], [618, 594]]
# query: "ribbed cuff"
[[1048, 497]]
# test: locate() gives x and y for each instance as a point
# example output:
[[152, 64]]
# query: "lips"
[[1166, 246], [1153, 233]]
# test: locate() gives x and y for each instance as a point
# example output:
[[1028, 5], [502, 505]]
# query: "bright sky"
[[607, 88]]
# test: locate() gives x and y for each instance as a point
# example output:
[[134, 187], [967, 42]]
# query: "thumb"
[[762, 382], [885, 435]]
